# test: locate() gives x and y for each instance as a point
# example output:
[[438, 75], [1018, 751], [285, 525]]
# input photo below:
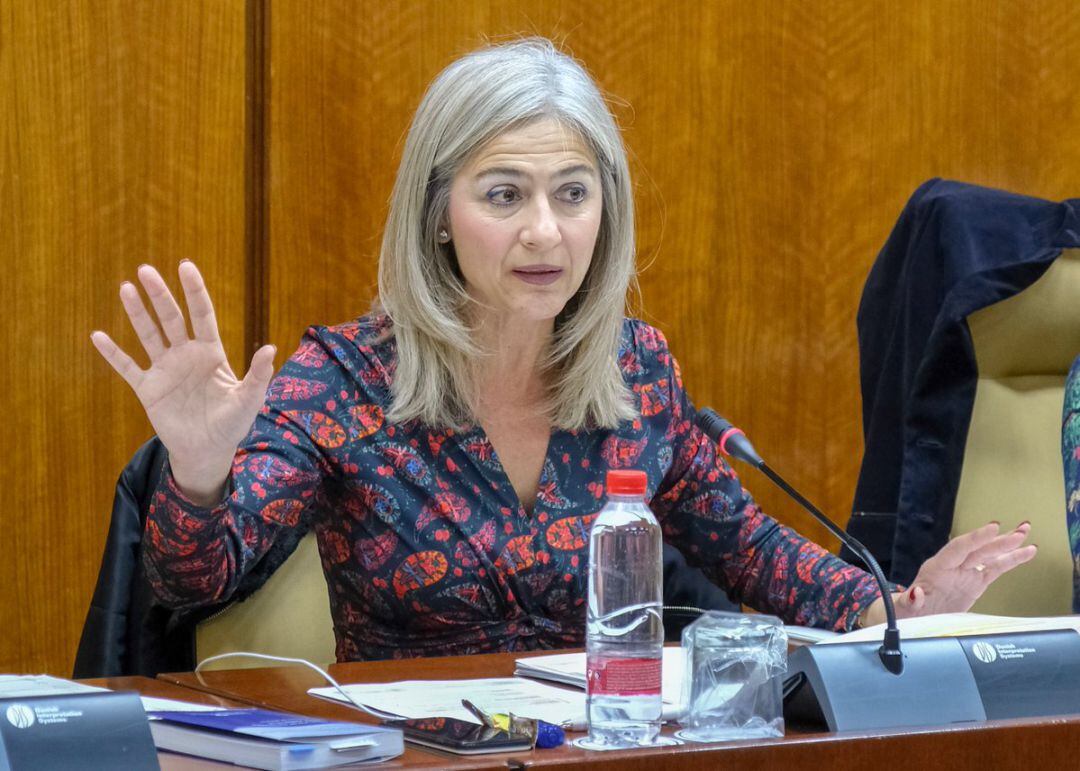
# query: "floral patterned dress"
[[426, 548], [1070, 451]]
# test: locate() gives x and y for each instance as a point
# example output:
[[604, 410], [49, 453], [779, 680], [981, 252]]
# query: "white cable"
[[350, 701]]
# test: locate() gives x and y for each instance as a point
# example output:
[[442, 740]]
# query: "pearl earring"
[[444, 236]]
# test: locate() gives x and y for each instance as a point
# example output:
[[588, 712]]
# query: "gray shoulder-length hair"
[[473, 100]]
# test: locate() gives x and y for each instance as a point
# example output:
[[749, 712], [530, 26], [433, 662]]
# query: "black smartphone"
[[459, 736]]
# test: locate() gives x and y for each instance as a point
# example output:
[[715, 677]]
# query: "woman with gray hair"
[[450, 448]]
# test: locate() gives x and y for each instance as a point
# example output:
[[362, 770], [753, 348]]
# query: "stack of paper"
[[25, 686], [442, 698], [569, 668], [959, 625], [808, 634]]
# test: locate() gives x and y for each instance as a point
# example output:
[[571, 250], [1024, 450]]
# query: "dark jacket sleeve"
[[103, 646]]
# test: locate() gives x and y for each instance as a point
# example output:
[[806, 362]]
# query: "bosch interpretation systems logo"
[[984, 652], [20, 715]]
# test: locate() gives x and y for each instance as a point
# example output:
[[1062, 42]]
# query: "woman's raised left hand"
[[954, 578]]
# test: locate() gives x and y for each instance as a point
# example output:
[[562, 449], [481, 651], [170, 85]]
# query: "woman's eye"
[[503, 196], [574, 193]]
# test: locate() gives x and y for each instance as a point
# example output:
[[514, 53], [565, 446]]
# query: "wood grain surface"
[[121, 142], [773, 146]]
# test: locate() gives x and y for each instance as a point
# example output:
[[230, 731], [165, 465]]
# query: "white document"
[[569, 668], [26, 686], [808, 634], [442, 698], [155, 704], [957, 625]]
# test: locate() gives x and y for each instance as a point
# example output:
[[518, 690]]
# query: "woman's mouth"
[[538, 274]]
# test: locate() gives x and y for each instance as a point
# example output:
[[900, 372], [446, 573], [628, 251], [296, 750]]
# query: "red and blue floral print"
[[1070, 452], [426, 547]]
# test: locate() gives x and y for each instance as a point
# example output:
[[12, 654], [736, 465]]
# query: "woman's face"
[[524, 216]]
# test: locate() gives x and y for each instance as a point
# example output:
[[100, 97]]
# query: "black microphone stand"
[[889, 652], [724, 434]]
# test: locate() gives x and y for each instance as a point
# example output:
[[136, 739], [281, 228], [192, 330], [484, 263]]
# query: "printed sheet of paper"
[[957, 625], [26, 686], [155, 704], [442, 698], [808, 634], [569, 668]]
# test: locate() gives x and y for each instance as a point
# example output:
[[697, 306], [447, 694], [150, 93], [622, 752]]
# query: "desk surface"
[[1005, 744]]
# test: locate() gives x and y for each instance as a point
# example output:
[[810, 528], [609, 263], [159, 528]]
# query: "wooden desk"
[[1049, 743]]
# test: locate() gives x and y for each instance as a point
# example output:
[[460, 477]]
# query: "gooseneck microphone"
[[732, 441]]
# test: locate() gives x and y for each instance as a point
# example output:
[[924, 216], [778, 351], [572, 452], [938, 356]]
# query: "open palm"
[[196, 404], [954, 578]]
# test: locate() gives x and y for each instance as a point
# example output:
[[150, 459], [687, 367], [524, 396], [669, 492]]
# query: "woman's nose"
[[541, 230]]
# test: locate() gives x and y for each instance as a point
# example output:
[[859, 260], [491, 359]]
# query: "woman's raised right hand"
[[198, 407]]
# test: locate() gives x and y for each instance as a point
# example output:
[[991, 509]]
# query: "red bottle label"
[[624, 677]]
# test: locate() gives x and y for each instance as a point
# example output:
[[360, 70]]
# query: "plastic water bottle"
[[624, 624]]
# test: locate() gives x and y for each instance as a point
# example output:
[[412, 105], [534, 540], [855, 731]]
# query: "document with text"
[[442, 698]]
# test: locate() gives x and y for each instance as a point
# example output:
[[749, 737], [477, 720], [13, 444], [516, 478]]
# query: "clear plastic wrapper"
[[732, 689]]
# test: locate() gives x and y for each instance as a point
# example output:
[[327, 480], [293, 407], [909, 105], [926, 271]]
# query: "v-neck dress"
[[427, 550]]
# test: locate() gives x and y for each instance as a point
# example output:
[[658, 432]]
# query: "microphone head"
[[712, 424], [731, 440]]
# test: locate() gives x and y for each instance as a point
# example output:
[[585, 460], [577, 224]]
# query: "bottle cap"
[[626, 482]]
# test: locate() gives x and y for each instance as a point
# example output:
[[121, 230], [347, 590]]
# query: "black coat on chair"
[[956, 248], [127, 630]]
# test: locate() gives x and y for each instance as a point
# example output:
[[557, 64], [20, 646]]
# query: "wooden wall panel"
[[774, 144], [121, 142]]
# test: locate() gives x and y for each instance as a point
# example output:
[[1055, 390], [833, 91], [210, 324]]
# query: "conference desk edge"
[[1015, 743]]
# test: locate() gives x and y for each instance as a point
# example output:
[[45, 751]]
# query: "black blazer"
[[955, 249], [127, 630]]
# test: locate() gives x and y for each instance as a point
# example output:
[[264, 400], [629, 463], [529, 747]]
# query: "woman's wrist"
[[869, 615], [874, 613], [203, 487]]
